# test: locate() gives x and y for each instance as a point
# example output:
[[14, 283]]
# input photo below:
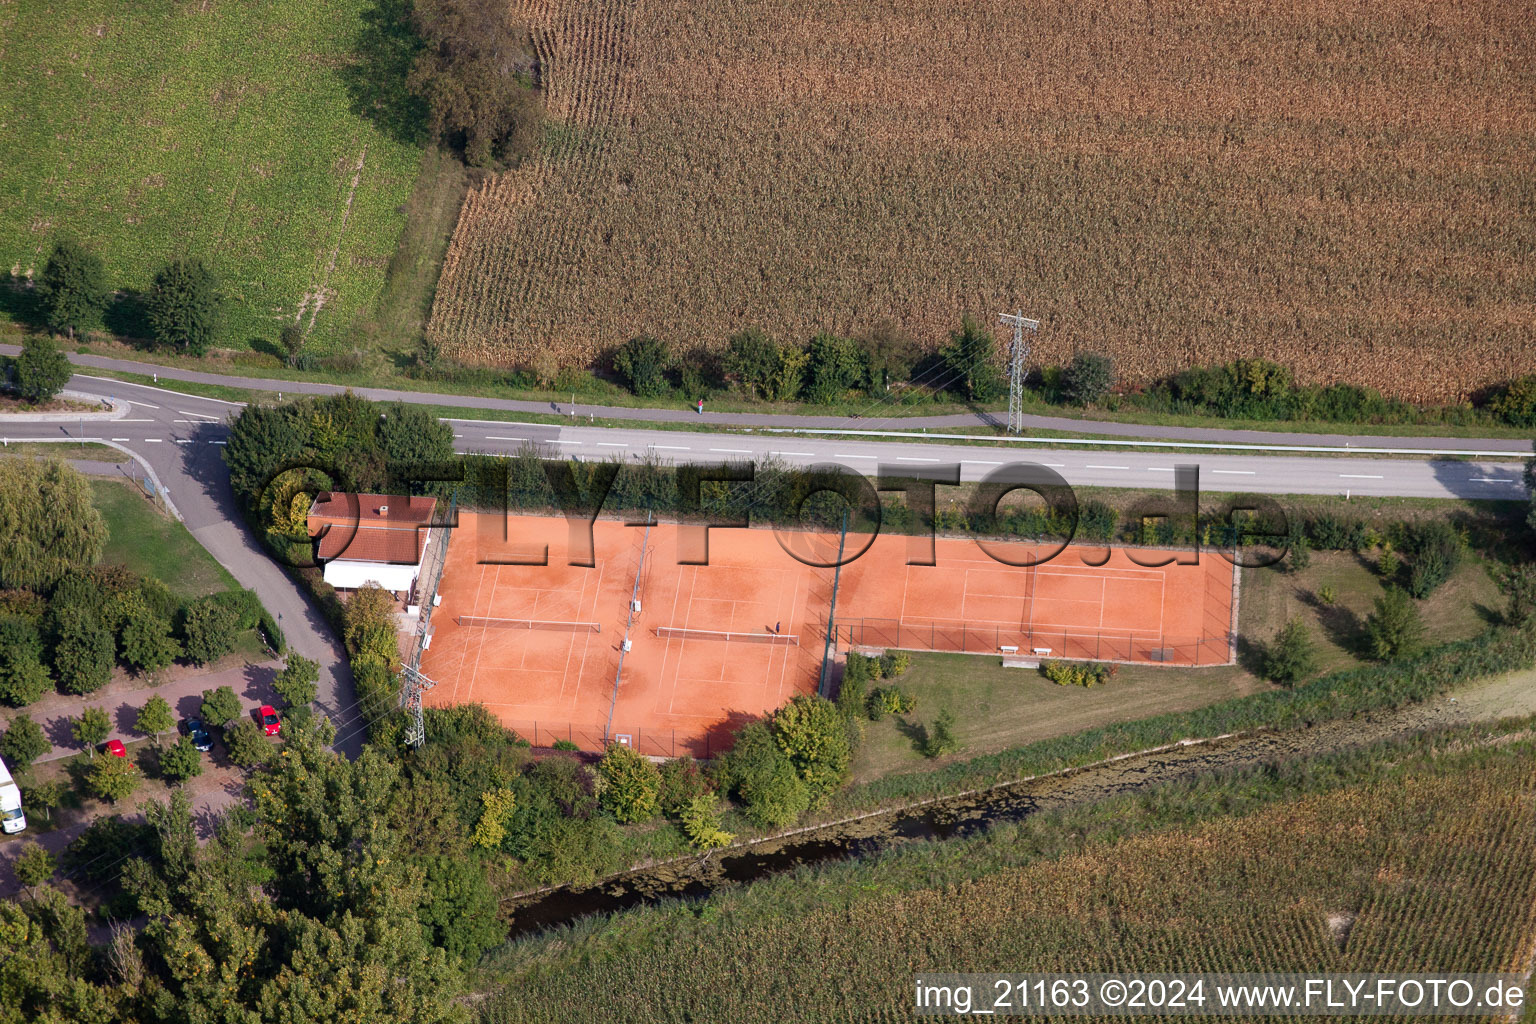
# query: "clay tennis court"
[[713, 646]]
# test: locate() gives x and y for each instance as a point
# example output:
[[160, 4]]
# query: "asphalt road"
[[181, 437], [875, 416]]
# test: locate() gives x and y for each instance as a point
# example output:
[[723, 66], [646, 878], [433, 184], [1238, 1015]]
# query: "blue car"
[[194, 728]]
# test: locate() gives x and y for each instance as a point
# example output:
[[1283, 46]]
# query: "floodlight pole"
[[1017, 352]]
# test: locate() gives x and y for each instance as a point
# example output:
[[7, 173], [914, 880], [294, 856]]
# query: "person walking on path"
[[701, 407]]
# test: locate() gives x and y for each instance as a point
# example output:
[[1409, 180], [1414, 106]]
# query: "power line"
[[1017, 352]]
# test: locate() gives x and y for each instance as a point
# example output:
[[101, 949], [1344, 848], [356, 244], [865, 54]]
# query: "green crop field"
[[218, 130]]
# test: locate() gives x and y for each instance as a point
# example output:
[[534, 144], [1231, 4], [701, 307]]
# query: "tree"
[[1394, 629], [1519, 584], [762, 777], [45, 796], [73, 287], [460, 909], [291, 340], [208, 629], [471, 74], [496, 806], [1087, 378], [631, 784], [408, 436], [643, 363], [83, 653], [41, 369], [298, 682], [1290, 658], [970, 360], [942, 736], [23, 679], [753, 359], [91, 729], [836, 367], [811, 731], [890, 354], [155, 718], [49, 524], [1530, 488], [23, 742], [220, 706], [370, 630], [248, 745], [185, 306], [146, 643], [34, 866], [113, 778], [181, 761]]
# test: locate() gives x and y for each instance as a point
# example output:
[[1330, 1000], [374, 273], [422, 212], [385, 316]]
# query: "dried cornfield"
[[1424, 868], [1346, 188]]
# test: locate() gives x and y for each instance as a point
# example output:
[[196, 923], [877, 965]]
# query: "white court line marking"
[[1358, 476], [733, 451], [801, 454], [1106, 467], [1235, 472]]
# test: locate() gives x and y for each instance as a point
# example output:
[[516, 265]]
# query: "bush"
[[1434, 549], [42, 370], [49, 524], [889, 700], [631, 784], [836, 367], [208, 629], [220, 706], [564, 745], [681, 781], [1085, 674], [248, 745], [23, 679], [1088, 378], [23, 742], [894, 663], [181, 761], [1395, 630], [1290, 658], [1519, 585], [1515, 402], [701, 823], [643, 363]]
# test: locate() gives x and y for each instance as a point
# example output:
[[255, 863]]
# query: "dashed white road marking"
[[845, 455], [1159, 469], [914, 458], [804, 455], [493, 437], [732, 451], [1359, 476], [1235, 472], [1106, 467], [670, 447]]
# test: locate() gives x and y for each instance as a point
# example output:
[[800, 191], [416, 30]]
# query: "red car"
[[116, 748], [270, 723]]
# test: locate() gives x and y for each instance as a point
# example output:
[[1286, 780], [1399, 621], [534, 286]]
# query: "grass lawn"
[[88, 452], [222, 131], [151, 543], [996, 708]]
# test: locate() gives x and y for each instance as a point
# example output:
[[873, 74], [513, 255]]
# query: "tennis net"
[[684, 633], [549, 624]]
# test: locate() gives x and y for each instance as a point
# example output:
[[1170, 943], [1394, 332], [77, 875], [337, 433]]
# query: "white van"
[[11, 818]]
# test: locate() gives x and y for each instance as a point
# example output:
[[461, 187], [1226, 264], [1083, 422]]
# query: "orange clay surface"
[[689, 694]]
